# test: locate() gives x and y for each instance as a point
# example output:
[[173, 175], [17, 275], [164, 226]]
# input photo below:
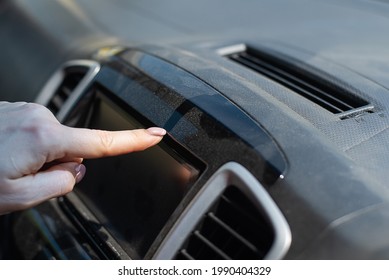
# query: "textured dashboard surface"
[[336, 174]]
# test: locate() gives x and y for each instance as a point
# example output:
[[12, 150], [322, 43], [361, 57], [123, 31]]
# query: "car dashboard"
[[276, 144]]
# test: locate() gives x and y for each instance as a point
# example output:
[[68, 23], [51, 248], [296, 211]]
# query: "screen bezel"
[[168, 145]]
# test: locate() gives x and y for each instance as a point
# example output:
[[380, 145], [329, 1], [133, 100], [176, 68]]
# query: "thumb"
[[56, 181]]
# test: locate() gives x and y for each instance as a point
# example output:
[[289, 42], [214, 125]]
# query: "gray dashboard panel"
[[336, 168]]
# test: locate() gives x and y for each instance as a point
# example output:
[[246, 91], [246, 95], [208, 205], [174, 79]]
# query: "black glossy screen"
[[133, 195]]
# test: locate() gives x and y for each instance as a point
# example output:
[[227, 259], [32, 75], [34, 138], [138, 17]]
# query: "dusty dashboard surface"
[[276, 118]]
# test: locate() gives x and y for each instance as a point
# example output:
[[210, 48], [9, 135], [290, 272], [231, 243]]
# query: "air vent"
[[317, 89], [66, 86], [232, 217], [72, 77], [232, 229]]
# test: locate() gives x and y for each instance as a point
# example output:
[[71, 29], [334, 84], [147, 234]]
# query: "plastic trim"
[[235, 174]]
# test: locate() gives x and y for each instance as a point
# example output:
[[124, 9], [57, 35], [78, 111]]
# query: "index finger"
[[90, 143]]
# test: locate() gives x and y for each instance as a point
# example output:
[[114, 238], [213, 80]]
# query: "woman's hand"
[[42, 159]]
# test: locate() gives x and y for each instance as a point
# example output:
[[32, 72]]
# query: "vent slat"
[[246, 215], [313, 94], [185, 255], [322, 95], [57, 101], [322, 92], [211, 246], [244, 241], [65, 91]]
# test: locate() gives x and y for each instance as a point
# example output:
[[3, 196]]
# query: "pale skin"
[[42, 159]]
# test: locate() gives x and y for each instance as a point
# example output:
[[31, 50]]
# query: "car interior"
[[276, 112]]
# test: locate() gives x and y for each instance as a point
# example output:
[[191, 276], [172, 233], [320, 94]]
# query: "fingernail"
[[80, 172], [156, 131]]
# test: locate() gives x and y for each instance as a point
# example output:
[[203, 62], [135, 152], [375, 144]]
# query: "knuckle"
[[43, 141], [37, 113], [39, 133]]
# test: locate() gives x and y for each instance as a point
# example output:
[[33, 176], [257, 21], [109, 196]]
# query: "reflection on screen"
[[133, 195]]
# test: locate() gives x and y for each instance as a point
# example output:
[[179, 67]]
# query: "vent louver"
[[323, 92], [66, 86], [72, 77], [233, 228]]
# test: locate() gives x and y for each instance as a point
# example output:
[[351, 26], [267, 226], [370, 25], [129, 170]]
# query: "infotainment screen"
[[133, 195]]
